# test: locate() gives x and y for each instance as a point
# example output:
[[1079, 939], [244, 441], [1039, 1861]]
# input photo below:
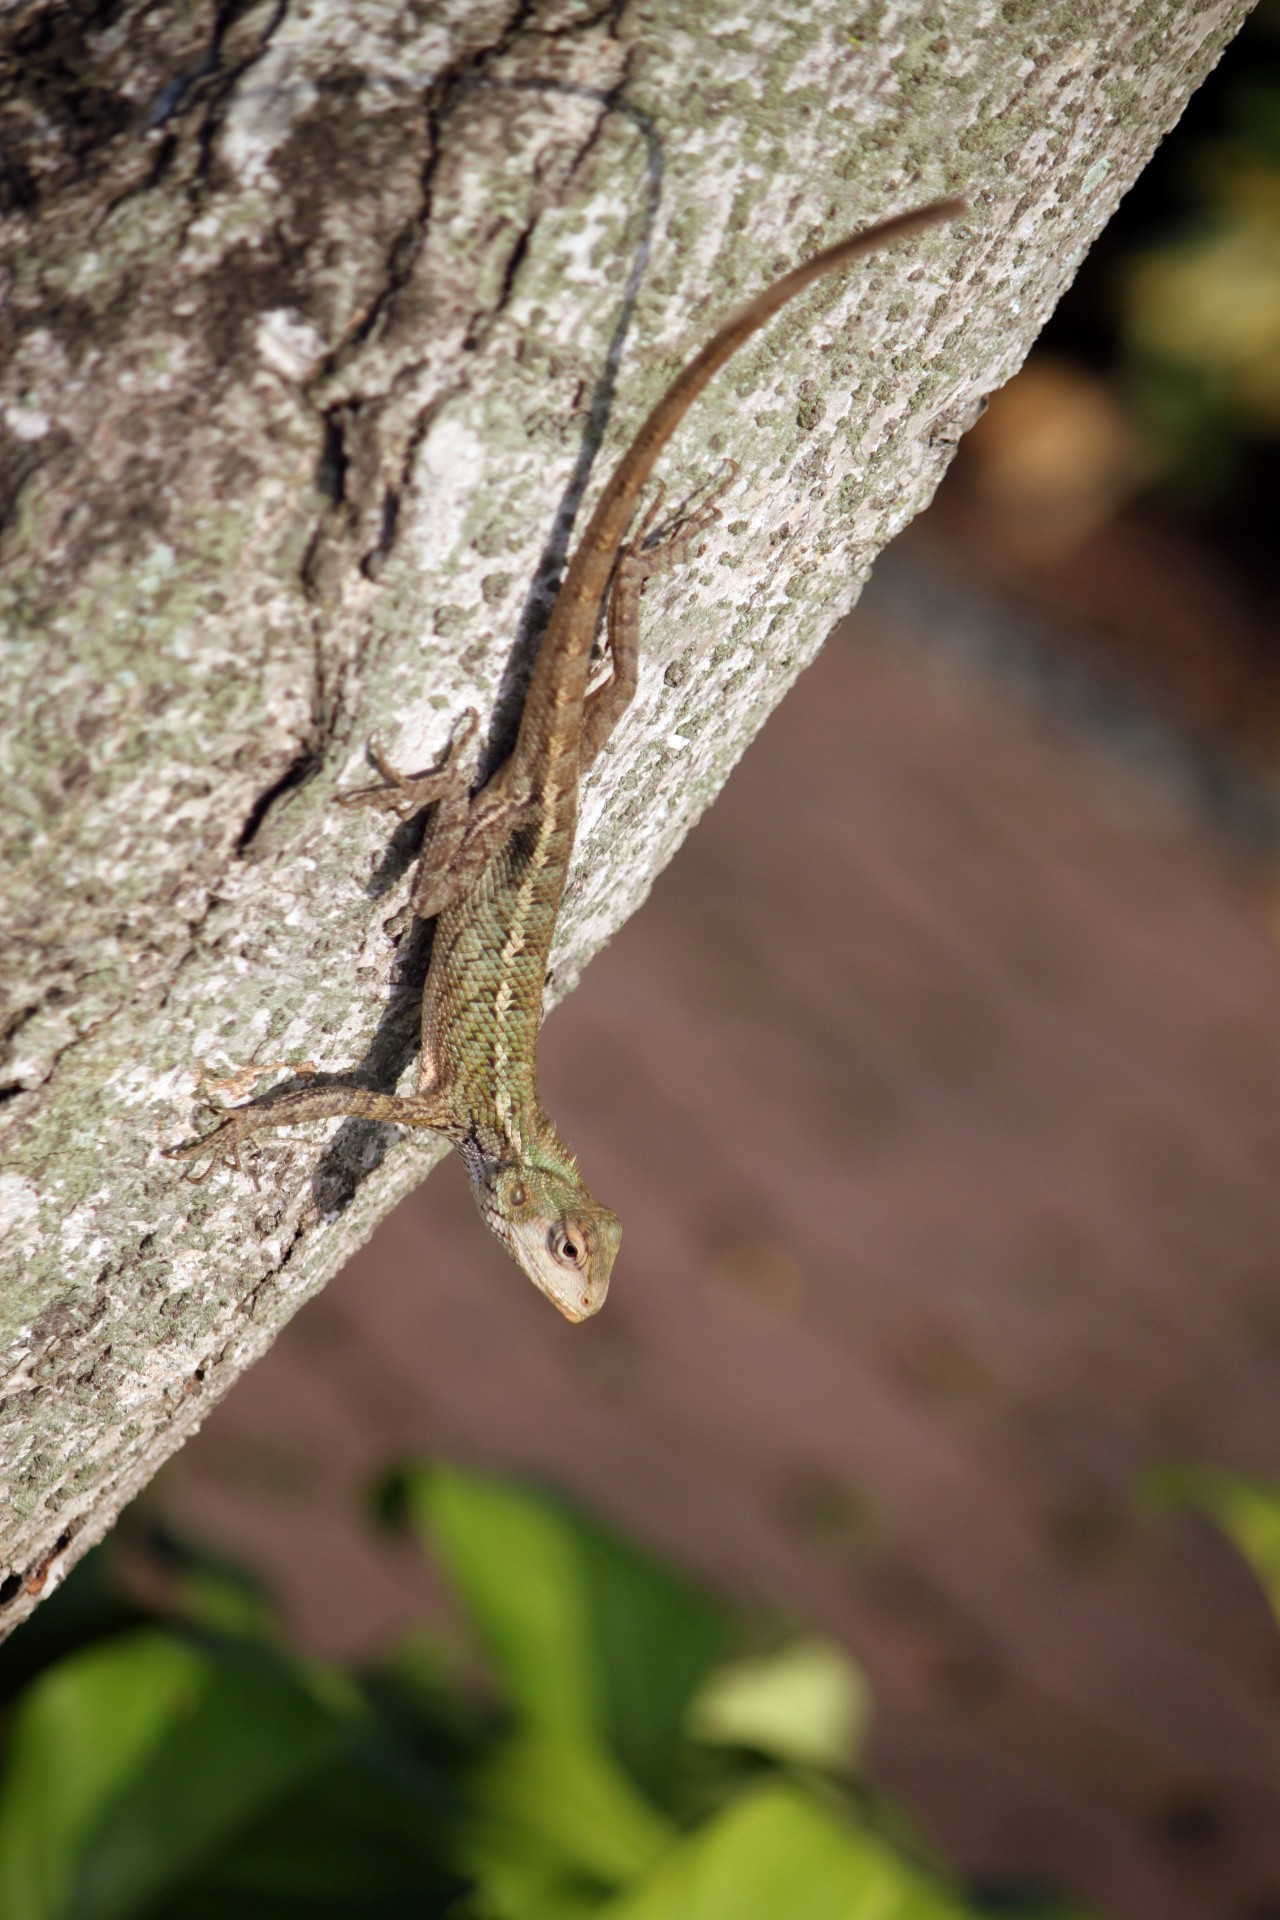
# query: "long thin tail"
[[582, 591]]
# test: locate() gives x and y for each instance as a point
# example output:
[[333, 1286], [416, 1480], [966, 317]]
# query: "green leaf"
[[559, 1801], [80, 1734], [779, 1853], [364, 1835], [807, 1703], [259, 1726], [591, 1638], [515, 1564], [1246, 1510]]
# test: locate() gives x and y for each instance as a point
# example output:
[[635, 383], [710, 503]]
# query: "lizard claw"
[[226, 1154], [407, 793]]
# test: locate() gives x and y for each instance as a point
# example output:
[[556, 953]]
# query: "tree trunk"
[[314, 316]]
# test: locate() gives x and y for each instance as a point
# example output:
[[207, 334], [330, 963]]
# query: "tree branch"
[[320, 329]]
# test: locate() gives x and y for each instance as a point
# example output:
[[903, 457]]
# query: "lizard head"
[[563, 1239]]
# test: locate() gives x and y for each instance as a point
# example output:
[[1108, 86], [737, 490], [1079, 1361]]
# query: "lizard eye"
[[568, 1244], [517, 1195]]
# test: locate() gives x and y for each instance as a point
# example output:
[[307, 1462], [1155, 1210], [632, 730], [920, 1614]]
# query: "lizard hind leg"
[[446, 788], [672, 541], [406, 793], [465, 830], [449, 866], [655, 549]]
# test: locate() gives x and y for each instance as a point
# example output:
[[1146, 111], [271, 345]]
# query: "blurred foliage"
[[1247, 1511], [633, 1760], [1181, 297]]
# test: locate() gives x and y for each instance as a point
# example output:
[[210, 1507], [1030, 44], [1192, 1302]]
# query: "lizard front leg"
[[649, 553], [222, 1142]]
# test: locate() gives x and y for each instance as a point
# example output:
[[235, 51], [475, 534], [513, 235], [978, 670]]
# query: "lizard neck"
[[521, 1136]]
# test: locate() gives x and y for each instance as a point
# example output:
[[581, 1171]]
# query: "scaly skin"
[[493, 868]]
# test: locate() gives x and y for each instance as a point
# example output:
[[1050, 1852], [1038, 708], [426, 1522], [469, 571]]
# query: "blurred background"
[[938, 1086]]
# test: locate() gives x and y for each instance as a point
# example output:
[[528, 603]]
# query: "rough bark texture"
[[313, 312]]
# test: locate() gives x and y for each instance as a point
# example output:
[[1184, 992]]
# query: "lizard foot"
[[407, 794], [670, 543]]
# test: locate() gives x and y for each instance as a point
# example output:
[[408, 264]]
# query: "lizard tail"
[[582, 591]]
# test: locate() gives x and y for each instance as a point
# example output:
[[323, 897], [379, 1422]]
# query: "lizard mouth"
[[575, 1315], [576, 1296]]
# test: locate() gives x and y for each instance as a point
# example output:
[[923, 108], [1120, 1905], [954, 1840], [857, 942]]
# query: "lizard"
[[493, 864]]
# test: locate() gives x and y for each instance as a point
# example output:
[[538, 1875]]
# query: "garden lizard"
[[493, 863]]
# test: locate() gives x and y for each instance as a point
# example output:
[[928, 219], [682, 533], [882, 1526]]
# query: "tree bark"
[[313, 318]]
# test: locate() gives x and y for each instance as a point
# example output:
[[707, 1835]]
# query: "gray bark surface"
[[311, 326]]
